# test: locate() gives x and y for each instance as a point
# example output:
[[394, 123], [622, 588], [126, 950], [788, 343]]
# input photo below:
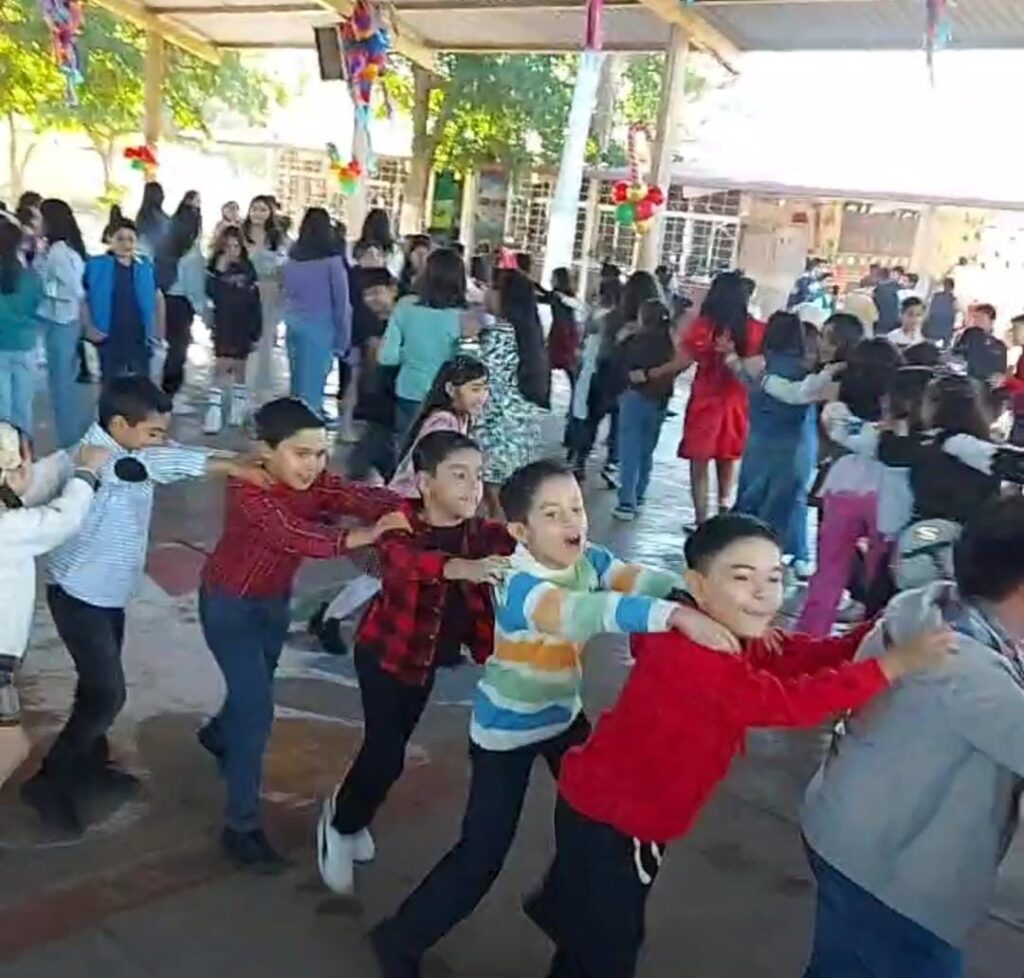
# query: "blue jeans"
[[858, 936], [17, 387], [310, 355], [66, 395], [639, 427], [245, 636], [406, 412]]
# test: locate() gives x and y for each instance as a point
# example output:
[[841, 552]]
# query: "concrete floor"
[[145, 894]]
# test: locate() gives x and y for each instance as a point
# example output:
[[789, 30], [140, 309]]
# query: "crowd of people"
[[472, 541]]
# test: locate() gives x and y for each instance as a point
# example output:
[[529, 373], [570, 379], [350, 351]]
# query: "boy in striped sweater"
[[560, 591]]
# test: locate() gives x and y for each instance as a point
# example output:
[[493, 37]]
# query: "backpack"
[[924, 553]]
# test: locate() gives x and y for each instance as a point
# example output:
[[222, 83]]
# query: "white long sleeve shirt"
[[61, 271]]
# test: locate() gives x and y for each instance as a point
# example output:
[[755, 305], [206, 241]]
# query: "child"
[[91, 579], [232, 285], [41, 505], [655, 757], [123, 312], [244, 598], [910, 330], [20, 293], [434, 599], [642, 404], [560, 591]]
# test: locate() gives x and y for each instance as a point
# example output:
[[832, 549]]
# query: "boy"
[[560, 592], [909, 332], [245, 592], [434, 599], [983, 353], [682, 716], [124, 310], [93, 576], [912, 811]]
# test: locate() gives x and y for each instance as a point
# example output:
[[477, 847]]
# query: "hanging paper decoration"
[[365, 44], [140, 157], [594, 37], [347, 174], [938, 30], [63, 19], [637, 202]]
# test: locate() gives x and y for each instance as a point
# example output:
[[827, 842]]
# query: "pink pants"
[[846, 519]]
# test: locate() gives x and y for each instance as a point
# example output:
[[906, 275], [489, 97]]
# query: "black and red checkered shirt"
[[404, 625], [268, 531]]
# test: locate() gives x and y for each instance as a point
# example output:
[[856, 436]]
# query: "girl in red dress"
[[716, 424]]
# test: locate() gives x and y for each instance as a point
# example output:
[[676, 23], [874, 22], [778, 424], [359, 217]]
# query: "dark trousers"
[[594, 897], [391, 710], [375, 450], [583, 433], [455, 886], [94, 637], [858, 936], [245, 636], [179, 335]]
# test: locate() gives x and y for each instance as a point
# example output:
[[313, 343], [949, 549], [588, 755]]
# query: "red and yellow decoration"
[[347, 174], [637, 202], [141, 158]]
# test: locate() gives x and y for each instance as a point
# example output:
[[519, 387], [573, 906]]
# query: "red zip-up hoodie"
[[683, 714]]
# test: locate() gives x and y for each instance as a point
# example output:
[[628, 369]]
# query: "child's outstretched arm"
[[36, 530], [625, 578], [846, 429], [813, 389], [1003, 461], [339, 497]]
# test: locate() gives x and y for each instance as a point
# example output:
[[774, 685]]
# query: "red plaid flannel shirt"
[[268, 532], [402, 625]]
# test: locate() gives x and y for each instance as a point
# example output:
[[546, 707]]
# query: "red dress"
[[717, 415]]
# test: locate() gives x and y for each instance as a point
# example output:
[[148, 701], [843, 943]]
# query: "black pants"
[[391, 710], [593, 899], [455, 886], [94, 637], [583, 433], [179, 335], [375, 450]]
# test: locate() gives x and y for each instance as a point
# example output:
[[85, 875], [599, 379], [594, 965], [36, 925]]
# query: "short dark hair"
[[719, 532], [133, 398], [847, 331], [910, 302], [986, 309], [521, 487], [371, 278], [125, 224], [279, 419], [437, 447], [923, 354], [988, 559]]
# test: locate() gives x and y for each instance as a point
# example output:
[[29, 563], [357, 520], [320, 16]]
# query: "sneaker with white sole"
[[213, 423], [337, 853], [239, 412]]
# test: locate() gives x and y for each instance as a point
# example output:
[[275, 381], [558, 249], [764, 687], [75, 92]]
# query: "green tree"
[[111, 99]]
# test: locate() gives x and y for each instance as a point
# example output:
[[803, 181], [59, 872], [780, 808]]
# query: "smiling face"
[[555, 531], [259, 213], [469, 398], [452, 493], [298, 461], [741, 586]]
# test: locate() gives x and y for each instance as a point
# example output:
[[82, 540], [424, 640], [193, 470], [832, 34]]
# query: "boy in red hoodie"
[[655, 757]]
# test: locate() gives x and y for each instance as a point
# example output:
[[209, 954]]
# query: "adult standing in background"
[[887, 301], [423, 332], [377, 231], [29, 216], [61, 270], [19, 295], [317, 312], [267, 245], [416, 251], [152, 221], [943, 311]]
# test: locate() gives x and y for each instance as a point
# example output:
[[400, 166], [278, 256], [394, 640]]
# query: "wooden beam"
[[147, 20], [475, 6], [238, 8], [698, 30], [405, 40]]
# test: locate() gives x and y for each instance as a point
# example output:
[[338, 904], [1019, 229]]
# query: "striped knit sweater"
[[530, 689]]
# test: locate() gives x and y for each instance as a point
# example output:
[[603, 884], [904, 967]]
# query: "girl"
[[232, 285], [181, 276], [19, 296], [520, 378], [423, 331], [267, 245], [151, 220], [417, 251], [782, 447], [230, 217], [377, 230], [318, 315], [717, 415], [642, 405], [61, 270], [29, 216], [566, 313], [114, 219]]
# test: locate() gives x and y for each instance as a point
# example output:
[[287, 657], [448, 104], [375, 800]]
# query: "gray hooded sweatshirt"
[[917, 801]]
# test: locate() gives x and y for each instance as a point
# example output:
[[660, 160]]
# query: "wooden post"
[[670, 117], [155, 69]]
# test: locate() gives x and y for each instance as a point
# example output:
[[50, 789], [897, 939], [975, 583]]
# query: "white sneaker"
[[239, 406], [803, 569], [336, 854], [213, 423], [364, 849]]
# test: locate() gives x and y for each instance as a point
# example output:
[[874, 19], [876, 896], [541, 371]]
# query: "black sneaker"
[[53, 802], [251, 851], [210, 740], [390, 960]]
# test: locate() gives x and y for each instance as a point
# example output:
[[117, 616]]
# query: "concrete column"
[[670, 119], [356, 206], [590, 219], [154, 71], [467, 213]]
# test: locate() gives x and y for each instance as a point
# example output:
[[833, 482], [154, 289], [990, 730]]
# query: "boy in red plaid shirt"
[[245, 592], [435, 598]]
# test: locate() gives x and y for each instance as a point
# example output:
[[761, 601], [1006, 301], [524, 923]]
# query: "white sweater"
[[46, 520], [61, 270]]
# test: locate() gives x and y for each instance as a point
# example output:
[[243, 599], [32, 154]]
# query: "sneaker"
[[252, 852], [239, 406], [180, 408], [335, 852], [53, 803], [10, 704], [624, 513], [213, 423], [803, 569], [610, 475], [392, 962]]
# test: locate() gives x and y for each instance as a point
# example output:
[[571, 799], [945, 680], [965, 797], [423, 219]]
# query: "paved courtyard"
[[145, 893]]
